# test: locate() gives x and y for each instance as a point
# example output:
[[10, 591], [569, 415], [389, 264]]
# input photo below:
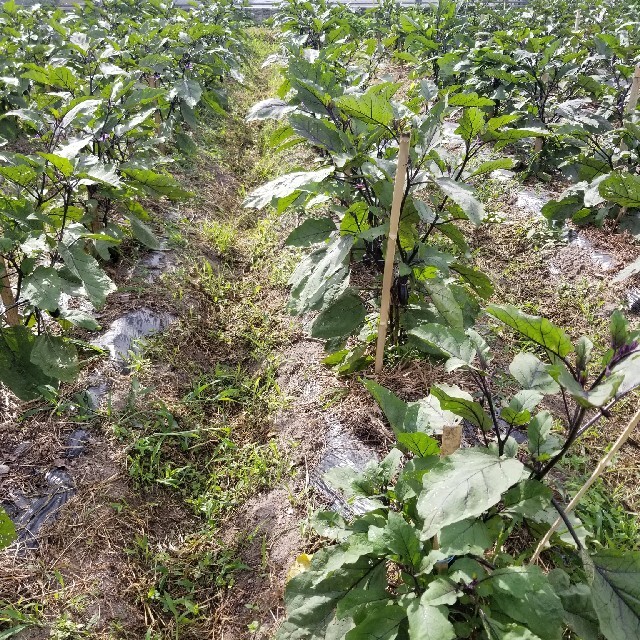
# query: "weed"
[[18, 616], [221, 235], [601, 509], [64, 628]]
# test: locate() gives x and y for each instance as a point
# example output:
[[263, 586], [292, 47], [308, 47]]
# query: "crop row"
[[446, 546], [91, 100]]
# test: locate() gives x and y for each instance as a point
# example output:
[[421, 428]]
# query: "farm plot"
[[389, 293]]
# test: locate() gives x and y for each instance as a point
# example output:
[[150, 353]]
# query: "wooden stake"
[[451, 438], [387, 279], [577, 24], [632, 103], [602, 465], [6, 294]]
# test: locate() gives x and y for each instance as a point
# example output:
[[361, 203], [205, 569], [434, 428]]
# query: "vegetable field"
[[324, 327]]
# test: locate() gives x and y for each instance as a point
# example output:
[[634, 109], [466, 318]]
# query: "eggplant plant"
[[441, 546], [355, 126], [433, 40], [602, 169], [87, 106]]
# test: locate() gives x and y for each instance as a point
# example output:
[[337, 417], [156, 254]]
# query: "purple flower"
[[189, 65], [104, 137]]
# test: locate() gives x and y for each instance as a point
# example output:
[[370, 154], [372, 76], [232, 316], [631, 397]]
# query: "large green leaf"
[[143, 233], [563, 208], [86, 108], [62, 77], [507, 631], [629, 370], [538, 433], [525, 595], [428, 622], [464, 485], [311, 231], [318, 132], [97, 283], [44, 286], [423, 416], [106, 174], [420, 444], [23, 175], [270, 108], [340, 318], [621, 188], [461, 403], [312, 596], [614, 577], [532, 373], [577, 603], [369, 108], [470, 99], [539, 330], [156, 184], [17, 371], [321, 277], [56, 357], [491, 165], [464, 196], [188, 90], [471, 124], [399, 538], [381, 624], [452, 343], [284, 186], [471, 536], [518, 411], [600, 395], [477, 280], [445, 302]]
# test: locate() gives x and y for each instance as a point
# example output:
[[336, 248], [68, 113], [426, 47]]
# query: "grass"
[[603, 511]]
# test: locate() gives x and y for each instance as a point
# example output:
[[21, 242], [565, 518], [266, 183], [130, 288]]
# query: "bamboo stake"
[[634, 93], [451, 438], [387, 279], [602, 465], [6, 294]]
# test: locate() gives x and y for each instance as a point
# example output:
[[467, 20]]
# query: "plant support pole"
[[602, 465], [634, 92], [387, 279], [6, 294]]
